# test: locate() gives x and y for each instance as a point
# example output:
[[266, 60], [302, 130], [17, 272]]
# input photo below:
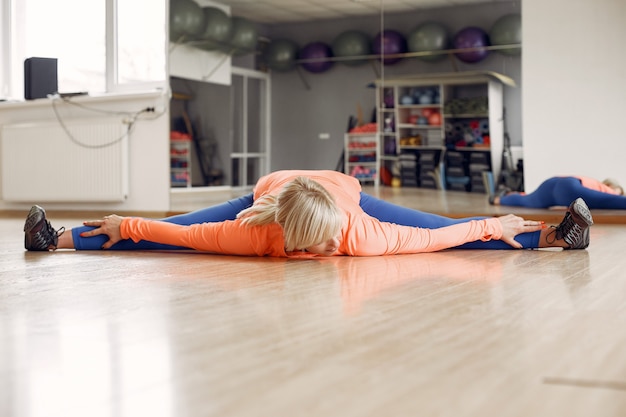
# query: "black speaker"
[[40, 77]]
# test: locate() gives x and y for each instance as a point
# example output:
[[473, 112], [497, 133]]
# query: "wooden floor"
[[456, 333]]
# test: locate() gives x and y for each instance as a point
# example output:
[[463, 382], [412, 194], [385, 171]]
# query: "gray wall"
[[301, 113]]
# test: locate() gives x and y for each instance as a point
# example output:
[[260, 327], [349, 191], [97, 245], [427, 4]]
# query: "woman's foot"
[[574, 228], [38, 232]]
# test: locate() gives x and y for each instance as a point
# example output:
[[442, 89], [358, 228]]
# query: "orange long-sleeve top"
[[594, 184], [361, 234]]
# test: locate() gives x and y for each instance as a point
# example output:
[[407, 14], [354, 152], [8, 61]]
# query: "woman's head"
[[307, 213], [614, 185]]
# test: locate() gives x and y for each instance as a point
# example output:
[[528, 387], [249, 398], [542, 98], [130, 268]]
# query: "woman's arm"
[[368, 237], [227, 237]]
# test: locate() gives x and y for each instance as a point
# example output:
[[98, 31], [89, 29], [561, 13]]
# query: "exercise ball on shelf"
[[507, 31], [281, 54], [351, 44], [389, 42], [427, 37], [218, 29], [244, 38], [318, 51], [186, 20], [471, 37]]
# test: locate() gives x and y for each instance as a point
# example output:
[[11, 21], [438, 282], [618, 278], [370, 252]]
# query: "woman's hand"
[[513, 225], [109, 225]]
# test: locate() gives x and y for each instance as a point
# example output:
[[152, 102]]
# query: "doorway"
[[250, 127]]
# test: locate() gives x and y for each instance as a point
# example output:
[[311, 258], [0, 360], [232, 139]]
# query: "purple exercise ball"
[[389, 42], [471, 37], [318, 51]]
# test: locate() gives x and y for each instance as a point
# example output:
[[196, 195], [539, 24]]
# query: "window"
[[95, 54], [141, 42]]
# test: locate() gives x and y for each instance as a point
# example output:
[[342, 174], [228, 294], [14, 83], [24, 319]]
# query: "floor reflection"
[[85, 366], [366, 278]]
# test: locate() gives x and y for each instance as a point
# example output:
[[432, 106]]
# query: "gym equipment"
[[388, 99], [389, 42], [406, 100], [507, 31], [281, 55], [385, 176], [471, 37], [244, 38], [187, 20], [434, 119], [426, 99], [316, 50], [218, 29], [429, 36], [352, 43]]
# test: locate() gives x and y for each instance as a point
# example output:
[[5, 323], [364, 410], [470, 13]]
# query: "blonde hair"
[[304, 209], [614, 185]]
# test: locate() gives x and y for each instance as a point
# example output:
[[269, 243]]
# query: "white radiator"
[[42, 163]]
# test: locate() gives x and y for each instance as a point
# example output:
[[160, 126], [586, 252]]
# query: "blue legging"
[[561, 191], [382, 210], [388, 212]]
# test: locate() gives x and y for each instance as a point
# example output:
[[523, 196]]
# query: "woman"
[[310, 213], [560, 191]]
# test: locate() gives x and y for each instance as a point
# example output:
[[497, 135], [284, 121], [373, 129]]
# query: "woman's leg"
[[218, 213], [392, 213]]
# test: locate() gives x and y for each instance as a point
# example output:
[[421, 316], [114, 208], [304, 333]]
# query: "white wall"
[[574, 89], [149, 181]]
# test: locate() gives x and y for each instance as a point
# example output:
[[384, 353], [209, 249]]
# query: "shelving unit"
[[442, 130], [362, 156], [180, 162]]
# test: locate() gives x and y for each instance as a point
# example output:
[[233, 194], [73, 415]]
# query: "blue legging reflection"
[[561, 191]]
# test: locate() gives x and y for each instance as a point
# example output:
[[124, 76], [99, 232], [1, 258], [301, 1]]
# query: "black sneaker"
[[574, 227], [38, 233]]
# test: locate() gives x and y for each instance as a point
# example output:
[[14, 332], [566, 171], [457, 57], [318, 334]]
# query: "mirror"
[[314, 101]]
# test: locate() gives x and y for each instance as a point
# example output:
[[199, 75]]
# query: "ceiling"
[[291, 11]]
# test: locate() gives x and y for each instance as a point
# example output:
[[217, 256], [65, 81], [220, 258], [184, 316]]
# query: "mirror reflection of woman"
[[560, 191]]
